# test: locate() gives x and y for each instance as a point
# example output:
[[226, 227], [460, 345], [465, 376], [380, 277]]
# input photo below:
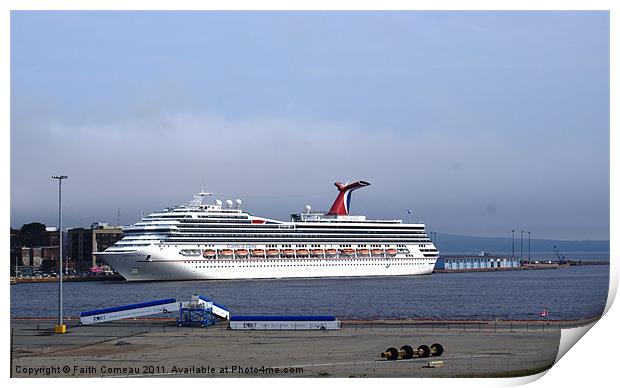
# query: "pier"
[[156, 348]]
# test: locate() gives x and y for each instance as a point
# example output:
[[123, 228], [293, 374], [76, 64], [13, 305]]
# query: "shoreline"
[[15, 280], [351, 322]]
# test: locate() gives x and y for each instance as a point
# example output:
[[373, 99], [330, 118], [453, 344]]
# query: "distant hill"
[[466, 244]]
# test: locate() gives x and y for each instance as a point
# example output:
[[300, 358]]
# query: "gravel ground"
[[158, 348]]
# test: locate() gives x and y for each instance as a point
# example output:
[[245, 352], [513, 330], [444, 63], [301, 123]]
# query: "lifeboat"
[[302, 252], [317, 252], [347, 252], [391, 252], [377, 252], [208, 253], [225, 252], [288, 252], [330, 252], [258, 252], [241, 252], [363, 252], [272, 252]]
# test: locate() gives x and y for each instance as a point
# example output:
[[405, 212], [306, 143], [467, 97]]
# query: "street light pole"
[[521, 257], [529, 245], [60, 328], [513, 243]]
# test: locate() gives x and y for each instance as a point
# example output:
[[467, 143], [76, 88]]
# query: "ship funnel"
[[343, 201]]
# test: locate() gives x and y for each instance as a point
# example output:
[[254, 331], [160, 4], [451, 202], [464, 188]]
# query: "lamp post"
[[521, 257], [513, 243], [60, 328], [529, 245]]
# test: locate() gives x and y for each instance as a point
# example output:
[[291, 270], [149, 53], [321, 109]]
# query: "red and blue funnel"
[[343, 201]]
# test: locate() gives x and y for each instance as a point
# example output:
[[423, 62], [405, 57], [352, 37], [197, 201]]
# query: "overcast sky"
[[477, 121]]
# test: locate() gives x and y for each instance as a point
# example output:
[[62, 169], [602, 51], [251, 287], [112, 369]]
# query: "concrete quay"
[[157, 348]]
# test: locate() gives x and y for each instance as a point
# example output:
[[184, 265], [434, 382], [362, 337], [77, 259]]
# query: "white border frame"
[[573, 370]]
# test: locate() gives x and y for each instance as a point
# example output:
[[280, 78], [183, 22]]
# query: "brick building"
[[29, 253], [84, 241]]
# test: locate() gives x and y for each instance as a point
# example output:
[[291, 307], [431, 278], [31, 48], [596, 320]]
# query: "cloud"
[[277, 165]]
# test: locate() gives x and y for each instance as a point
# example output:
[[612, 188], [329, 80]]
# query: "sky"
[[479, 122]]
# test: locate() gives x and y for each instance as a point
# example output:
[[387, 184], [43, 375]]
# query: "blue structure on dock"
[[199, 311], [476, 263], [284, 322], [196, 316]]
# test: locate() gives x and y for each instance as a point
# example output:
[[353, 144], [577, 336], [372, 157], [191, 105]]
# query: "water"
[[568, 293]]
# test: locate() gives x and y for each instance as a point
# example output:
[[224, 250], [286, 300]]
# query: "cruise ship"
[[216, 241]]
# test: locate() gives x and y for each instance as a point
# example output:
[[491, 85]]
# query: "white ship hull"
[[164, 264]]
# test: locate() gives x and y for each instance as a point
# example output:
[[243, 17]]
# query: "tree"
[[33, 234]]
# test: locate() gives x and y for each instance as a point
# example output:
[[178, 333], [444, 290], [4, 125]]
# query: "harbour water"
[[568, 293]]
